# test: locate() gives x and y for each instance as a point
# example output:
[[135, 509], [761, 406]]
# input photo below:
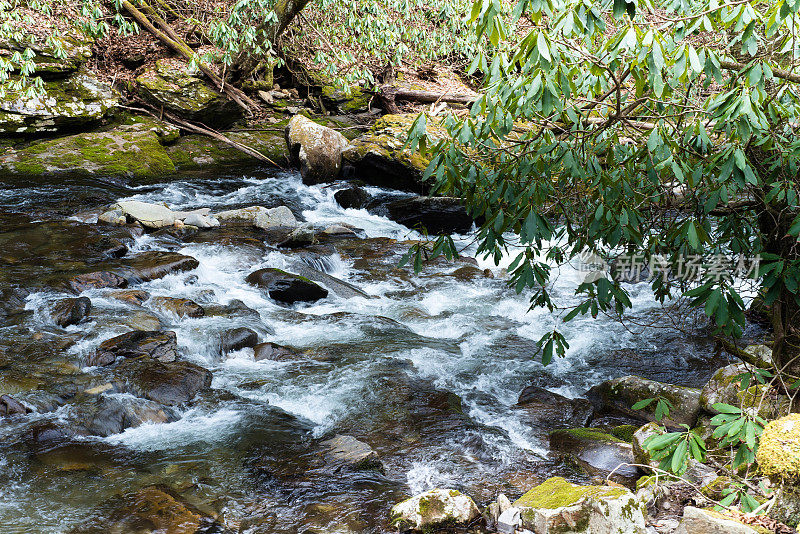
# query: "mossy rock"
[[778, 453], [557, 506], [725, 387], [194, 151], [176, 88], [64, 54], [433, 509], [378, 157], [132, 151], [620, 394], [66, 104], [345, 101]]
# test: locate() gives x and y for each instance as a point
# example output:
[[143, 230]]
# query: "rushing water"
[[426, 372]]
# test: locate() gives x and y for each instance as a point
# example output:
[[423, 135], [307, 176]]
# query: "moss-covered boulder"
[[171, 84], [560, 507], [345, 101], [725, 387], [316, 148], [65, 104], [596, 452], [640, 453], [620, 394], [194, 151], [378, 157], [778, 458], [432, 509], [55, 57], [127, 150]]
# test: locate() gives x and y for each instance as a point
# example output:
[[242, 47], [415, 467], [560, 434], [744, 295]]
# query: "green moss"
[[624, 432], [778, 453], [556, 492]]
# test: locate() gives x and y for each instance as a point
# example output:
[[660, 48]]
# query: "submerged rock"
[[434, 508], [161, 346], [153, 509], [340, 288], [69, 103], [171, 85], [286, 287], [71, 311], [596, 452], [437, 215], [317, 148], [557, 506], [171, 384], [620, 394], [348, 451]]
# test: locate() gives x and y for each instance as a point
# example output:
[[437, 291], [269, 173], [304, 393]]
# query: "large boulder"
[[352, 197], [133, 150], [557, 506], [171, 384], [778, 458], [436, 215], [171, 85], [161, 346], [620, 394], [76, 101], [434, 508], [596, 452], [316, 148], [725, 387], [378, 156], [286, 287], [549, 410]]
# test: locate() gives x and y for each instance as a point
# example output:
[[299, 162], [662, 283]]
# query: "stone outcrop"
[[316, 148], [434, 508], [171, 85], [66, 104]]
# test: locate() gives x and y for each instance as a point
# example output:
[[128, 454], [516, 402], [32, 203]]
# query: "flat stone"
[[161, 346], [349, 451], [97, 280], [434, 508], [171, 384]]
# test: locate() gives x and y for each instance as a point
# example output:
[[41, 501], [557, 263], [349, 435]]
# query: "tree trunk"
[[286, 11]]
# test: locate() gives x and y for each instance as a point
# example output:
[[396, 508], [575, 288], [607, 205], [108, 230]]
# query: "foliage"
[[672, 141]]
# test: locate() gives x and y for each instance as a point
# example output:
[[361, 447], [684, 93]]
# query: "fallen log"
[[388, 95]]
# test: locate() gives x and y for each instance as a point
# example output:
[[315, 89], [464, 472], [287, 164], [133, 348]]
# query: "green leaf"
[[726, 408], [642, 404]]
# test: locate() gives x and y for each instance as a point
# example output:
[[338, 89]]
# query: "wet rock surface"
[[161, 346], [71, 311], [171, 383], [286, 287], [437, 215]]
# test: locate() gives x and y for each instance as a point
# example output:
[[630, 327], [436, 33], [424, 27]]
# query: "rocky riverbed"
[[272, 369]]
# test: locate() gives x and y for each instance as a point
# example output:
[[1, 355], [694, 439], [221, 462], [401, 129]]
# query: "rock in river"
[[156, 264], [348, 451], [438, 215], [352, 197], [104, 415], [167, 383], [178, 306], [11, 406], [620, 394], [432, 509], [97, 280], [71, 311], [596, 452], [238, 338], [161, 346], [273, 351], [550, 410], [286, 287], [318, 149]]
